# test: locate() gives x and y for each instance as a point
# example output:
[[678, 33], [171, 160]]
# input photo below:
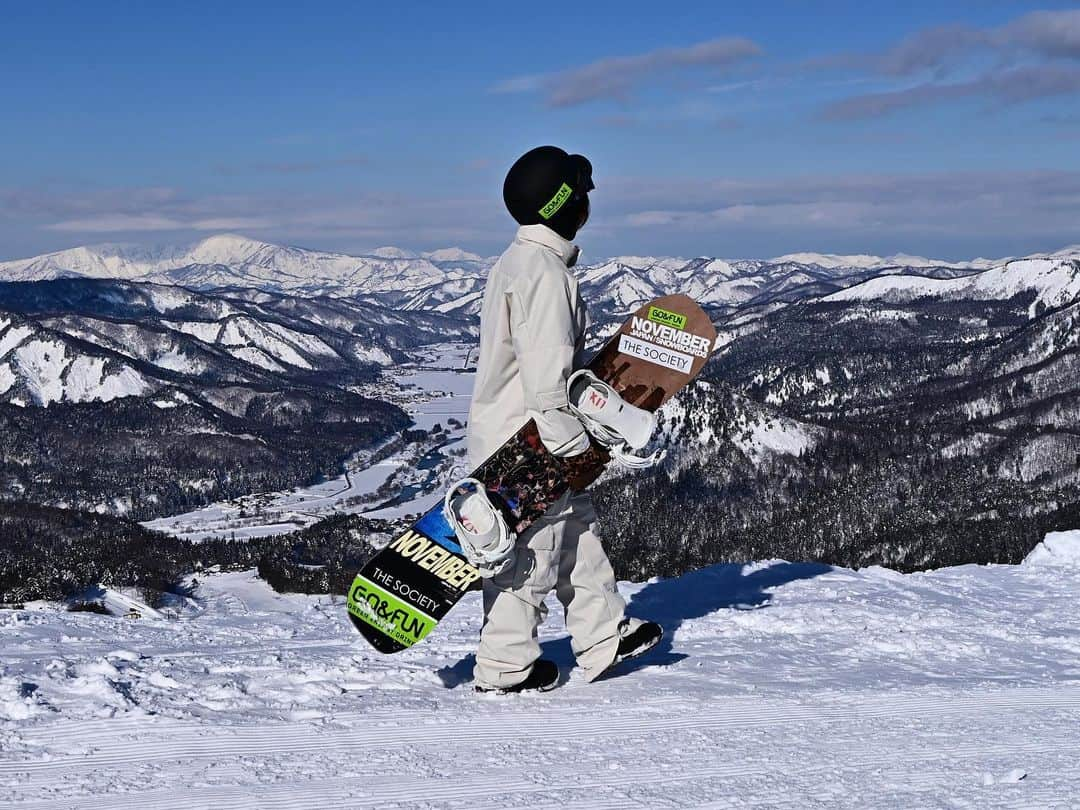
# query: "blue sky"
[[730, 129]]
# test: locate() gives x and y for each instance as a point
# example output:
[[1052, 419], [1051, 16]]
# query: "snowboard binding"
[[611, 421], [481, 530]]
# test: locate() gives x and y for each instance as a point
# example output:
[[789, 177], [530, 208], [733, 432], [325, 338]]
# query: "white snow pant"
[[560, 551]]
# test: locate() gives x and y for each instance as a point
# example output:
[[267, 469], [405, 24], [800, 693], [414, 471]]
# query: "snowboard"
[[406, 588]]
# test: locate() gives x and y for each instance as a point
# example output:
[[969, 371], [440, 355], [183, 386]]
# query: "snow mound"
[[16, 699], [1056, 549]]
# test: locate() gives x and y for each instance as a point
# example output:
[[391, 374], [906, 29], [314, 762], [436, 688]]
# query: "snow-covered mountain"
[[80, 340], [235, 261], [865, 262], [134, 397], [450, 280], [77, 340], [1053, 281]]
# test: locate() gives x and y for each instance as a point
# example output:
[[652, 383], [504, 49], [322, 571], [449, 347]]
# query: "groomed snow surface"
[[779, 685]]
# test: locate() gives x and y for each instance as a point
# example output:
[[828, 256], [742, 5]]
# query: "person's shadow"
[[670, 602]]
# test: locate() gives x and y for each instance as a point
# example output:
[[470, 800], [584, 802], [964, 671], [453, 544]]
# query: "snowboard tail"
[[403, 592]]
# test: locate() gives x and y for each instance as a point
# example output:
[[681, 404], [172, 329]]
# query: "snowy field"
[[432, 389], [779, 685]]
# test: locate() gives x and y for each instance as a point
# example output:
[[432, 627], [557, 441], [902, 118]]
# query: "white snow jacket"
[[532, 332]]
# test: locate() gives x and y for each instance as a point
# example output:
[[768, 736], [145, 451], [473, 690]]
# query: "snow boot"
[[544, 676], [639, 642]]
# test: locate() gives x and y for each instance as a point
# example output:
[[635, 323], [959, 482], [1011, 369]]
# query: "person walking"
[[532, 333]]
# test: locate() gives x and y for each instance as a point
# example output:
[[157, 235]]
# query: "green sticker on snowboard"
[[378, 607], [667, 317]]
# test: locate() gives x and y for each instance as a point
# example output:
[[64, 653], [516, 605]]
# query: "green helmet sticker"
[[555, 203]]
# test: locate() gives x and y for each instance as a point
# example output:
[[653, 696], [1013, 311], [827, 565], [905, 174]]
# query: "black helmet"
[[547, 186]]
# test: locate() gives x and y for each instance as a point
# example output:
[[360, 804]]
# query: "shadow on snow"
[[671, 602], [727, 586]]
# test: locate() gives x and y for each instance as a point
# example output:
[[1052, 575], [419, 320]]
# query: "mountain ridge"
[[133, 261]]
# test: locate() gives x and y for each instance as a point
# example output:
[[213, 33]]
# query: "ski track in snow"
[[779, 685]]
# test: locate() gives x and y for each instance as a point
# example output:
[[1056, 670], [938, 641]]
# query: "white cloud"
[[615, 77], [968, 204], [112, 223], [1026, 59]]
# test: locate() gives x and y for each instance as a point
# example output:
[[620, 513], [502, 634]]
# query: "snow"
[[309, 343], [641, 262], [51, 375], [7, 378], [776, 436], [266, 345], [1056, 549], [176, 360], [778, 684], [41, 364], [875, 314], [11, 338], [1055, 282], [84, 377], [231, 260], [223, 248], [120, 603], [166, 299], [756, 431], [125, 383], [257, 357], [467, 304], [391, 252], [372, 354], [206, 332], [862, 261], [87, 381], [247, 332]]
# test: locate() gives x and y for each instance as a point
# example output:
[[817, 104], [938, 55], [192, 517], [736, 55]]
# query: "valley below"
[[434, 388]]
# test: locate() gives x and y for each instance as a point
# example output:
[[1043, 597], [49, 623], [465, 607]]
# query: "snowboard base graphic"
[[403, 591]]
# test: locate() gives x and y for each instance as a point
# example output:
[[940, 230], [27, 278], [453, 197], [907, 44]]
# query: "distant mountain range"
[[450, 280], [97, 324], [229, 261]]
